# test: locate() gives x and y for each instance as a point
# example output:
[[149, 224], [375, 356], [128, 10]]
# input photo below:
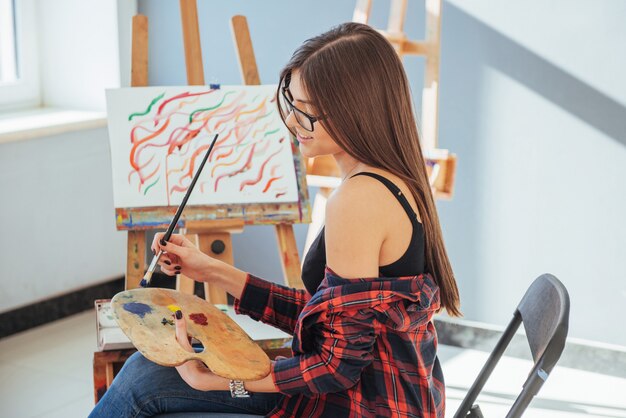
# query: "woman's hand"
[[194, 372], [181, 256]]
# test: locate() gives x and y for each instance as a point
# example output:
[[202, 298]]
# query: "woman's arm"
[[263, 301], [335, 365]]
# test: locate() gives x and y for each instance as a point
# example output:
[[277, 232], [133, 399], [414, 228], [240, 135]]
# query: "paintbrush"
[[148, 276]]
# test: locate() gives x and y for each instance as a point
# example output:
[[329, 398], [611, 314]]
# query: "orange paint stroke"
[[191, 134], [212, 114], [252, 182], [245, 166], [255, 110], [219, 157], [195, 154], [261, 129], [178, 170], [231, 163], [269, 183], [273, 172], [225, 138], [136, 145], [230, 116], [176, 188], [156, 170]]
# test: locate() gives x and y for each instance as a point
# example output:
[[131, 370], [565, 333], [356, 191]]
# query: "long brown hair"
[[354, 77]]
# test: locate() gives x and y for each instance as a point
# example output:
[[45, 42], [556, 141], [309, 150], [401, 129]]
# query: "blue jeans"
[[144, 389]]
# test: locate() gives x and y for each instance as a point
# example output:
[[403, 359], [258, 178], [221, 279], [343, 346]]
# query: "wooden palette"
[[146, 317]]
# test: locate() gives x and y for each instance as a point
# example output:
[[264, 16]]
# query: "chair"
[[544, 311]]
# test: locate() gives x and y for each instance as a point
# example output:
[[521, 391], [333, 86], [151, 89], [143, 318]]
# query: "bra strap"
[[396, 192]]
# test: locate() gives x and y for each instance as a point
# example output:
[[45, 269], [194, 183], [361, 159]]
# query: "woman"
[[364, 341]]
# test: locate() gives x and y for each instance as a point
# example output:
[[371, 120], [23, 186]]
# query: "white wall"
[[56, 217], [533, 101], [56, 212]]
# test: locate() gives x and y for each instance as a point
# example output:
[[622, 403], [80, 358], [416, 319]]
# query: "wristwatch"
[[237, 390]]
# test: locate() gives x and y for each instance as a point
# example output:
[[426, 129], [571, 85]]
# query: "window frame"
[[26, 91]]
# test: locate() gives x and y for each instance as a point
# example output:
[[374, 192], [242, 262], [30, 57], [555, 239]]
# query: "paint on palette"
[[165, 321], [199, 318], [162, 299], [138, 308], [173, 308]]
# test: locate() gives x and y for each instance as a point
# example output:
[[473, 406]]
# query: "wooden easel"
[[441, 164], [213, 237]]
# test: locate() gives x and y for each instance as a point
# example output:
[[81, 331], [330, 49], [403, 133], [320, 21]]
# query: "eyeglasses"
[[305, 120]]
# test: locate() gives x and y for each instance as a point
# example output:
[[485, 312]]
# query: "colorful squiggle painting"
[[160, 134]]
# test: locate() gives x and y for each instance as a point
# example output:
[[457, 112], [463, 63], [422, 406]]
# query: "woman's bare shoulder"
[[355, 229]]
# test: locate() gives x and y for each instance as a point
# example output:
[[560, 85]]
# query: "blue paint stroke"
[[137, 308]]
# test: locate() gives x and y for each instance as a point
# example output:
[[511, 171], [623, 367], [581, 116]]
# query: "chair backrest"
[[544, 311], [545, 315]]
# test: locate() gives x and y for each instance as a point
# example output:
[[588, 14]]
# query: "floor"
[[46, 372]]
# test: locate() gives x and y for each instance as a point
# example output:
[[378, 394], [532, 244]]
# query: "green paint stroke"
[[152, 103], [148, 188], [209, 108], [265, 115], [271, 132]]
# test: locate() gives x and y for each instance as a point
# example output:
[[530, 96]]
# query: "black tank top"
[[411, 263]]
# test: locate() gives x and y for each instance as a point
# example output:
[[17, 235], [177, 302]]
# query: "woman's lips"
[[303, 139]]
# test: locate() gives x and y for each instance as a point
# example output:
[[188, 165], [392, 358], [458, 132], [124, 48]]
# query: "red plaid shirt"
[[361, 348]]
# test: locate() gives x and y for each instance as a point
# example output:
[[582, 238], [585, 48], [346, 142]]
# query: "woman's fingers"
[[181, 331], [155, 242], [177, 239]]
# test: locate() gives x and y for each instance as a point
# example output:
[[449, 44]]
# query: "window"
[[19, 83], [8, 58]]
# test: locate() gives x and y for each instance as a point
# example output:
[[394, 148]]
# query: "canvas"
[[159, 135]]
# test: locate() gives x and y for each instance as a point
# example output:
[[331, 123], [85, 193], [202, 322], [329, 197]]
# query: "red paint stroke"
[[269, 183], [219, 157], [260, 175], [221, 141], [245, 167], [199, 318], [177, 188], [231, 115], [191, 134], [133, 150], [215, 167], [181, 96], [141, 167], [150, 175], [245, 118], [280, 194], [178, 170]]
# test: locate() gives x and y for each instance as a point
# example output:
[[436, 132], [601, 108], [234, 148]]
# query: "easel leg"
[[218, 245], [136, 258], [289, 258], [186, 284]]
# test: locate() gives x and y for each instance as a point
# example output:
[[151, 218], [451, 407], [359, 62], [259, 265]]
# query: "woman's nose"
[[290, 120]]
